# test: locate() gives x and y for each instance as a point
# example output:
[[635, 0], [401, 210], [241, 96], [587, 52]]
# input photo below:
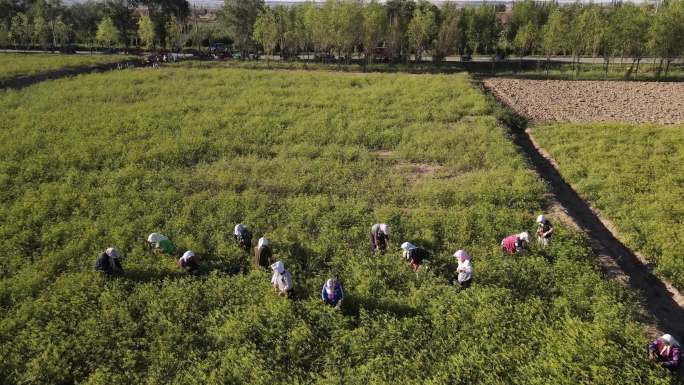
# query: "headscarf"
[[408, 246], [187, 255], [239, 229], [155, 238], [330, 288], [462, 255], [384, 229], [278, 267], [524, 236], [262, 242], [541, 219], [112, 252]]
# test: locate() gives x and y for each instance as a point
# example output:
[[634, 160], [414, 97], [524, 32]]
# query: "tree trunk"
[[637, 67], [667, 66]]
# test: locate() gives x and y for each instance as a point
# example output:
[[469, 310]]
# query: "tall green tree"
[[41, 33], [630, 24], [265, 30], [146, 32], [344, 18], [20, 31], [399, 13], [666, 35], [107, 34], [420, 31], [450, 33], [176, 34], [554, 34], [61, 32], [374, 27], [239, 17]]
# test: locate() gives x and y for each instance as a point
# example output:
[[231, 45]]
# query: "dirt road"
[[591, 101]]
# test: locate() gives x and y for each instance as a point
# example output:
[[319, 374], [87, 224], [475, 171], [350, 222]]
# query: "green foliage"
[[629, 173], [107, 33], [146, 31], [102, 160], [265, 30]]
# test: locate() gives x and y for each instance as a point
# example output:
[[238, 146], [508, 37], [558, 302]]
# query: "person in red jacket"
[[516, 243]]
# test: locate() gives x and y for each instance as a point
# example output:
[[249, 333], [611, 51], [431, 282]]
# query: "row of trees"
[[405, 29], [145, 23]]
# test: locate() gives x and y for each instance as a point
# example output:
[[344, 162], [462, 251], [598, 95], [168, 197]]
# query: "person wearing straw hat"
[[109, 262]]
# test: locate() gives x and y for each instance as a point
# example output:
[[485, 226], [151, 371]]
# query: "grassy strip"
[[15, 65]]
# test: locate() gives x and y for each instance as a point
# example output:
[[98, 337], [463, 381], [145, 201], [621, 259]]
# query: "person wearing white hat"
[[666, 351], [332, 293], [161, 244], [379, 237], [243, 236], [544, 230], [415, 255], [189, 260], [465, 268], [109, 262], [281, 280], [263, 253], [515, 243]]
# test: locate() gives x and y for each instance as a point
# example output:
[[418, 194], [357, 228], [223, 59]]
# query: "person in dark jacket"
[[189, 261], [379, 237], [666, 351], [544, 230], [109, 262], [332, 293], [263, 253], [415, 255], [243, 237]]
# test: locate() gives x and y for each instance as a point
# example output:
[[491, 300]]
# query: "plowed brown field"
[[592, 101]]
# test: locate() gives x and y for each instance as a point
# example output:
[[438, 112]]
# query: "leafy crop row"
[[633, 175], [310, 159]]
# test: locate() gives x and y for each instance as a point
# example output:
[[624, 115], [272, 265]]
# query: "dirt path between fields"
[[25, 81]]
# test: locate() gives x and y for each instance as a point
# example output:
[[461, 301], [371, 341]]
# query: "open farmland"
[[312, 160], [633, 175], [16, 65], [592, 101]]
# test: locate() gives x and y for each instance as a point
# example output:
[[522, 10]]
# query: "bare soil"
[[591, 101]]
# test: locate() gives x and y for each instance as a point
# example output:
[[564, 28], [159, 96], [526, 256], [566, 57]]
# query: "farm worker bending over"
[[262, 253], [544, 230], [516, 243], [189, 260], [379, 237], [281, 280], [332, 293], [242, 236], [666, 351], [161, 244], [414, 255], [465, 268], [109, 262]]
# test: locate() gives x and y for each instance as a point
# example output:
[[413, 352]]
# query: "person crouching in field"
[[666, 351], [332, 293], [516, 243], [263, 253], [415, 255], [109, 262], [243, 237], [281, 280], [544, 230], [188, 261], [464, 270], [161, 244], [379, 237]]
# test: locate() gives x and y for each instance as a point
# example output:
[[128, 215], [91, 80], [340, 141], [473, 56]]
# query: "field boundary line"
[[23, 81]]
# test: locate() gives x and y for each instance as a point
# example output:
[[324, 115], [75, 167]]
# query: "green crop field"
[[634, 175], [15, 65], [311, 159]]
